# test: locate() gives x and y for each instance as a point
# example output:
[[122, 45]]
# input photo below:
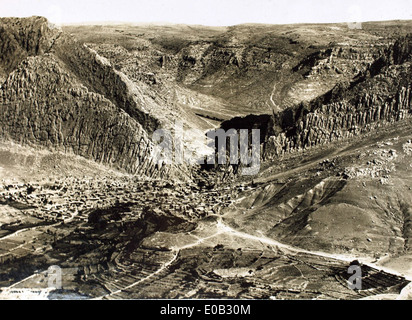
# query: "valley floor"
[[289, 234]]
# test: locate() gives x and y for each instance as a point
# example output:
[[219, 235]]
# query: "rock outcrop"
[[42, 105], [103, 101], [20, 38], [99, 76], [59, 94], [379, 96], [245, 68]]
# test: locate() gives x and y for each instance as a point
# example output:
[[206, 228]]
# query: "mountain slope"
[[247, 68], [52, 110], [59, 94], [376, 97]]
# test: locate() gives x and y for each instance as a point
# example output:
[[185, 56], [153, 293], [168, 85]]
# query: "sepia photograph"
[[214, 152]]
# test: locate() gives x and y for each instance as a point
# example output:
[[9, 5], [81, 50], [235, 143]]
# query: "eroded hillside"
[[242, 69], [80, 190], [62, 95]]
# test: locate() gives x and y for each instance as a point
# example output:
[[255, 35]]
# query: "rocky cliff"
[[232, 71], [60, 94], [100, 92], [20, 38], [97, 74], [43, 105], [376, 97]]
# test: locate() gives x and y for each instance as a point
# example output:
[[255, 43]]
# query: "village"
[[74, 198]]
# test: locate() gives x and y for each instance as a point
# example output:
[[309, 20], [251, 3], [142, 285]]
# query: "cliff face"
[[103, 100], [42, 105], [20, 38], [242, 69], [379, 96], [99, 76], [61, 95]]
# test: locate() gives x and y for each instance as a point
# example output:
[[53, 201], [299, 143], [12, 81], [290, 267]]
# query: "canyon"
[[80, 188]]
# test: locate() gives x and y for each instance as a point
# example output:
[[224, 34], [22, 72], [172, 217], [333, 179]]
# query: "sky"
[[209, 12]]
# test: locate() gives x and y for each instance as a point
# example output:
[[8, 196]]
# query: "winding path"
[[275, 106], [341, 257], [224, 229]]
